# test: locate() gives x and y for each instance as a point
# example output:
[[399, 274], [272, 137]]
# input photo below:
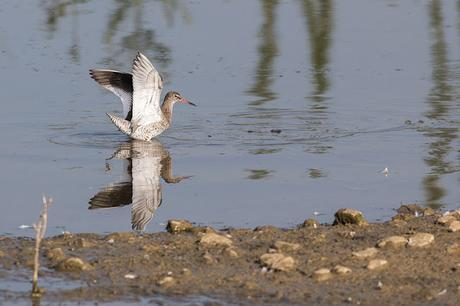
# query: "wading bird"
[[140, 93]]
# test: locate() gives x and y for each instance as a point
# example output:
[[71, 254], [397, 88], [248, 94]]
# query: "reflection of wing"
[[146, 163], [119, 194], [121, 84], [114, 195], [147, 85]]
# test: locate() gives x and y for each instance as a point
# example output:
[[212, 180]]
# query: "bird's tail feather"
[[122, 124]]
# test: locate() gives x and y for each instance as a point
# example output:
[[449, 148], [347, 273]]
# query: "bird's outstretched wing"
[[120, 83], [147, 86]]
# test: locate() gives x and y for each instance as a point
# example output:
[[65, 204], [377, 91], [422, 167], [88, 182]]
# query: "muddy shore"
[[412, 259]]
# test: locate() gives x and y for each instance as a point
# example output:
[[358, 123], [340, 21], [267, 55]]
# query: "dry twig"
[[40, 229]]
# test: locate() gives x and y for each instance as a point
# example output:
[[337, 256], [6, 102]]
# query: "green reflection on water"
[[138, 37], [268, 50], [319, 21], [258, 174], [55, 11], [264, 151], [441, 99], [316, 173]]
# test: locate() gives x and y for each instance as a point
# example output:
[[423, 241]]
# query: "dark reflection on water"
[[267, 50], [441, 99], [259, 174], [318, 16], [139, 38], [145, 163], [319, 20], [57, 10]]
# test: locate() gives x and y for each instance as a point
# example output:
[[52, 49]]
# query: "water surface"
[[302, 104]]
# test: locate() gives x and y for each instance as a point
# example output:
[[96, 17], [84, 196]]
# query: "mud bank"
[[412, 259]]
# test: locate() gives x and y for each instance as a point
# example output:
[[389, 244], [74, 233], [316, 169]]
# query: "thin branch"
[[40, 230]]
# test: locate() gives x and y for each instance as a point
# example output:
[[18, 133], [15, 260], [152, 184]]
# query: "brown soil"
[[126, 266]]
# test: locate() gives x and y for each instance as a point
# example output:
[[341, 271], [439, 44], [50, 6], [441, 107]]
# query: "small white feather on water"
[[385, 171]]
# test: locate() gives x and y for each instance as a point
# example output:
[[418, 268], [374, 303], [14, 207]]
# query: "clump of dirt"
[[413, 259]]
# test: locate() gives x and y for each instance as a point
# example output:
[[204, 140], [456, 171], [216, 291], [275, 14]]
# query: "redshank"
[[140, 95]]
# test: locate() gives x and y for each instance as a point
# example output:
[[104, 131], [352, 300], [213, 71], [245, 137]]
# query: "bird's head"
[[174, 97]]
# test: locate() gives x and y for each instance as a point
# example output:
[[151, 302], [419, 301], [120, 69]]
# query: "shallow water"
[[301, 105]]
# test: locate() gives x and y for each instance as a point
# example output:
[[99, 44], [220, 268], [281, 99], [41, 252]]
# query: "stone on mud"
[[322, 274], [209, 259], [310, 223], [420, 240], [349, 216], [392, 241], [178, 226], [376, 264], [454, 226], [453, 248], [338, 269], [410, 211], [215, 239], [83, 243], [73, 264], [278, 261], [55, 254], [166, 281], [230, 251], [445, 220], [286, 246], [369, 252], [119, 236], [455, 214]]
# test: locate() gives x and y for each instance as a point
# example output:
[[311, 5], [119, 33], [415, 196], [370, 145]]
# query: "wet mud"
[[412, 259]]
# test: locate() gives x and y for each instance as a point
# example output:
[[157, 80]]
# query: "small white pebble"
[[111, 241], [379, 285], [130, 276], [169, 273], [442, 292], [264, 270]]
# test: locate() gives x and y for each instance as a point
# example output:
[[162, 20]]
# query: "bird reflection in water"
[[145, 163]]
